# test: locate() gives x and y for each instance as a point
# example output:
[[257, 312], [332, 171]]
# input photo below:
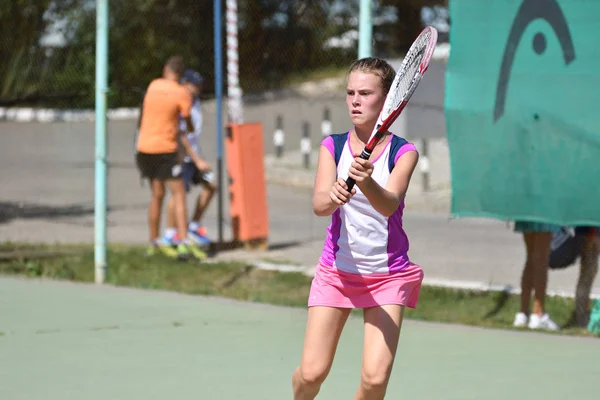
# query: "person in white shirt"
[[194, 174]]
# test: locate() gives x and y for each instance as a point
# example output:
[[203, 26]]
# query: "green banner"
[[522, 91]]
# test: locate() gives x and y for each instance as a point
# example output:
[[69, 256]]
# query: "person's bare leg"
[[171, 220], [177, 189], [382, 333], [323, 329], [208, 191], [157, 189], [539, 260], [527, 276], [587, 274]]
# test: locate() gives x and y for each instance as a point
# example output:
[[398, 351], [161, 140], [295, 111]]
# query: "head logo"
[[530, 10]]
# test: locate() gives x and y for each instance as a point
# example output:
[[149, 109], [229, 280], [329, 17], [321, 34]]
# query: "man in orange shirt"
[[157, 152], [192, 175]]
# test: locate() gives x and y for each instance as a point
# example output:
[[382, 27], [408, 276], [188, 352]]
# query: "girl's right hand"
[[339, 192]]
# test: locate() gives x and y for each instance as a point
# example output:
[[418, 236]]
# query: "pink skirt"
[[334, 288]]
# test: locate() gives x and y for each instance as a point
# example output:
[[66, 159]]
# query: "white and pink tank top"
[[359, 239]]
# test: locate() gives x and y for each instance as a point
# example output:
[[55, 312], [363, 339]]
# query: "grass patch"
[[130, 267], [237, 280]]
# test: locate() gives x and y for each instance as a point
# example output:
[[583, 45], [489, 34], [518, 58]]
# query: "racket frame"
[[382, 126]]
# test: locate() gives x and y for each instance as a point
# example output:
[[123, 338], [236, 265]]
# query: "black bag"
[[565, 248]]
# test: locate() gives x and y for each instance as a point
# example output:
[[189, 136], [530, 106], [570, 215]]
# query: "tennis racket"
[[407, 79]]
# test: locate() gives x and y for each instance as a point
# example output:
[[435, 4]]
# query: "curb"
[[55, 115], [431, 282]]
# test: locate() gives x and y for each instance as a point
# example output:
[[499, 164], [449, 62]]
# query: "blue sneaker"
[[170, 241], [198, 236]]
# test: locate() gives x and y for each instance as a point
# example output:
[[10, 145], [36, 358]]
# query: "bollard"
[[326, 124], [278, 137], [305, 144], [424, 165]]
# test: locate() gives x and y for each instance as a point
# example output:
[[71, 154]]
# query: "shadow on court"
[[12, 210], [286, 244], [501, 301], [62, 340], [68, 213]]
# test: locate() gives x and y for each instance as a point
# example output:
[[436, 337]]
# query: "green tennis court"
[[62, 340]]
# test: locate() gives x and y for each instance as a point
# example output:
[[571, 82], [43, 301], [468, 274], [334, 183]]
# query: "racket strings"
[[407, 73]]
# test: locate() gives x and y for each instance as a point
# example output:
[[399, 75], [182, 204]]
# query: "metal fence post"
[[305, 144], [279, 137], [424, 165], [100, 207], [326, 124]]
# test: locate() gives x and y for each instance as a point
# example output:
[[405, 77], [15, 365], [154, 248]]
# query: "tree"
[[279, 38], [26, 73], [409, 24], [276, 40]]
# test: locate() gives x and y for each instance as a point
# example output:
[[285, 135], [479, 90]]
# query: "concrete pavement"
[[47, 190], [47, 195]]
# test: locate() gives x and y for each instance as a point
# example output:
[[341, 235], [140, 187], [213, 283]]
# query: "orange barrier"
[[247, 184]]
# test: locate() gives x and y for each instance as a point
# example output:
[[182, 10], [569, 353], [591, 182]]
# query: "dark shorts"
[[158, 166], [587, 230], [192, 176], [529, 227]]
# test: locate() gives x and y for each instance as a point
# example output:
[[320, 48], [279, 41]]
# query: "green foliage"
[[401, 35], [277, 40], [37, 72], [21, 26]]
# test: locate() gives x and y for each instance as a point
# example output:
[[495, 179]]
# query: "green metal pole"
[[365, 30], [101, 168]]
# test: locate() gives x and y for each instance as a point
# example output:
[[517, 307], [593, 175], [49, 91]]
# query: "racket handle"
[[350, 182], [366, 153]]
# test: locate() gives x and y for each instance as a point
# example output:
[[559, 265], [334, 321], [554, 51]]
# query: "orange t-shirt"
[[165, 100]]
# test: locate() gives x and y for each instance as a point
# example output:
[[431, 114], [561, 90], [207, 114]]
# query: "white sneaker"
[[520, 320], [543, 322]]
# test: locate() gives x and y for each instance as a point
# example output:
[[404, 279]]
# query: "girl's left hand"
[[360, 170]]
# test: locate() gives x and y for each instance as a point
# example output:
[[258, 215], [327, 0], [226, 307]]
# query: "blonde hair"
[[376, 66]]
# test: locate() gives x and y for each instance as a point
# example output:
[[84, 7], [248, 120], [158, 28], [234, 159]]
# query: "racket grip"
[[366, 153], [350, 182]]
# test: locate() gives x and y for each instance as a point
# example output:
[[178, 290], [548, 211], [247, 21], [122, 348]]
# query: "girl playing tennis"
[[364, 263]]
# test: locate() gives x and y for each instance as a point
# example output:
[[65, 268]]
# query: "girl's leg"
[[208, 190], [539, 263], [587, 274], [177, 188], [171, 220], [527, 276], [382, 332], [323, 329], [157, 188]]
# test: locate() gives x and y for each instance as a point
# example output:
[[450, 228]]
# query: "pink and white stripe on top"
[[359, 239]]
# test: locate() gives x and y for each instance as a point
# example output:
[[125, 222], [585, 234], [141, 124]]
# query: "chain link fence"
[[292, 65]]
